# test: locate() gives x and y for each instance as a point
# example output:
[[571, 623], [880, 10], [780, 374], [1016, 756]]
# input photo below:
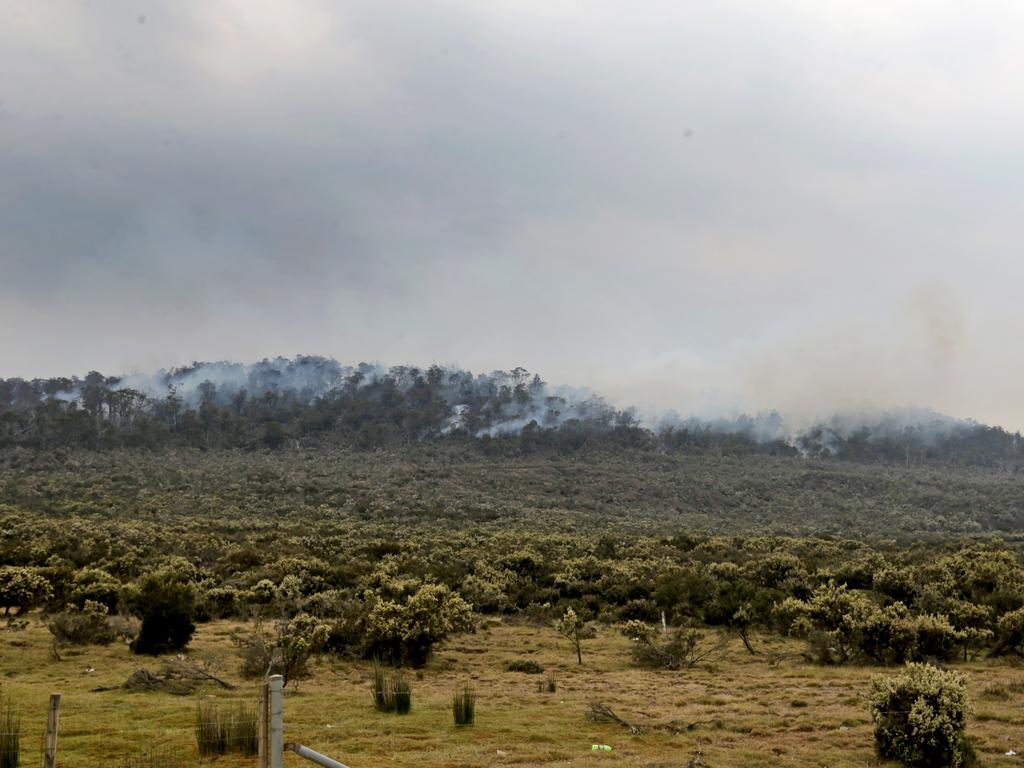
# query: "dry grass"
[[755, 716]]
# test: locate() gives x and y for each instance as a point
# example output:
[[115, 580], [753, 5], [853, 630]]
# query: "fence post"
[[263, 725], [276, 699], [52, 724]]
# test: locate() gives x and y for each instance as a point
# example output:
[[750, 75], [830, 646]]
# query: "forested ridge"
[[314, 401]]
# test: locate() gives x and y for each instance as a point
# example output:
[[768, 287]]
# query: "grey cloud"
[[709, 207]]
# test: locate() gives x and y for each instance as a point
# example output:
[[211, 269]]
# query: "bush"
[[391, 692], [680, 648], [286, 652], [166, 605], [464, 706], [548, 685], [10, 737], [920, 717], [527, 666], [1010, 633], [221, 729], [22, 588], [406, 632], [639, 631], [88, 625]]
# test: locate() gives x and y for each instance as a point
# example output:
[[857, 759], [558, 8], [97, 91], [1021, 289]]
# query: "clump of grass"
[[401, 690], [527, 666], [391, 692], [10, 737], [464, 706], [999, 692], [548, 685], [220, 729]]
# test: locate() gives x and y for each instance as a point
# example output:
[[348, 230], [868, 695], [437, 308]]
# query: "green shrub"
[[464, 706], [10, 737], [527, 666], [681, 648], [406, 632], [165, 604], [1010, 633], [22, 588], [920, 717], [88, 625], [223, 729]]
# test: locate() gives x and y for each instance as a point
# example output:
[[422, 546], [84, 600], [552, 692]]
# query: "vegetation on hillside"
[[315, 401]]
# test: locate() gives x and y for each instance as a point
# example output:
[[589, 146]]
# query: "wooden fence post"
[[276, 699], [263, 722], [52, 724]]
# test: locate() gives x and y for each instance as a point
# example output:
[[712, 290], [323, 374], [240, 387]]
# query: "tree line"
[[312, 401]]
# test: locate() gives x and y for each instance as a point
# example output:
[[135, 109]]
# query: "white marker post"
[[276, 686]]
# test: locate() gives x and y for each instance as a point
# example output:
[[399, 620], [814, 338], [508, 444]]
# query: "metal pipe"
[[315, 756]]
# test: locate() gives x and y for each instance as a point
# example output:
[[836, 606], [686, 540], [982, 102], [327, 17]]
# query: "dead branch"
[[597, 712]]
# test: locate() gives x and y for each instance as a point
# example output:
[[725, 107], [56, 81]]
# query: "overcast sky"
[[705, 205]]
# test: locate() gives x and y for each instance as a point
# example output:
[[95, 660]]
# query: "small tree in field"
[[575, 630], [165, 604], [920, 717]]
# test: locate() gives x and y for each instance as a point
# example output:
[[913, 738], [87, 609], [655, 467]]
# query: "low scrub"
[[679, 648], [526, 666], [88, 625], [920, 717]]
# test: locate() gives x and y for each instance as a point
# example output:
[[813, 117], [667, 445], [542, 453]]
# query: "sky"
[[707, 206]]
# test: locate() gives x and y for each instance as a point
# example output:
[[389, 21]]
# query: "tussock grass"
[[391, 692], [464, 706], [10, 736], [221, 729]]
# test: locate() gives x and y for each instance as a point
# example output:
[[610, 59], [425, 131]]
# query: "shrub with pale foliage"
[[920, 717]]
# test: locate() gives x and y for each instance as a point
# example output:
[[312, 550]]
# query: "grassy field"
[[752, 713]]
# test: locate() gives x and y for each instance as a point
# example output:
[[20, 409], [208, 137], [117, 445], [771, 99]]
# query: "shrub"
[[22, 588], [464, 706], [1010, 633], [286, 652], [10, 737], [223, 729], [166, 605], [527, 666], [406, 632], [88, 625], [920, 717], [681, 648], [392, 692], [638, 630], [548, 685], [221, 602]]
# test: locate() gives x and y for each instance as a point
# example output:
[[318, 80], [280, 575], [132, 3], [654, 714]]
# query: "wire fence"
[[125, 732], [137, 731]]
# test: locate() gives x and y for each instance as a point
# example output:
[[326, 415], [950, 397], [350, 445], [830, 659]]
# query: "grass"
[[391, 691], [222, 729], [10, 737], [464, 706], [745, 703]]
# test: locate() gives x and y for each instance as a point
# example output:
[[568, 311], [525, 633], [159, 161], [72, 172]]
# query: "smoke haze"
[[715, 208]]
